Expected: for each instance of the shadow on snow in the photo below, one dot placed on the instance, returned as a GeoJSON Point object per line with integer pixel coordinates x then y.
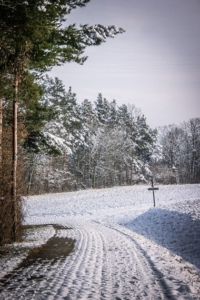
{"type": "Point", "coordinates": [176, 231]}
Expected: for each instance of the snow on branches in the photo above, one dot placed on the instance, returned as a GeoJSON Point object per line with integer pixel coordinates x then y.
{"type": "Point", "coordinates": [97, 34]}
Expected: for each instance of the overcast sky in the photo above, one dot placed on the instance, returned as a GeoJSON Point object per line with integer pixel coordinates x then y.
{"type": "Point", "coordinates": [154, 65]}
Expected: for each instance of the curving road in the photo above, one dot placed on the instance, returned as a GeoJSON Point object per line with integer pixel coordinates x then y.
{"type": "Point", "coordinates": [107, 260]}
{"type": "Point", "coordinates": [107, 263]}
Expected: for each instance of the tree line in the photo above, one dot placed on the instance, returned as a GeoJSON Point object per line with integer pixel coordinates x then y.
{"type": "Point", "coordinates": [180, 151]}
{"type": "Point", "coordinates": [100, 144]}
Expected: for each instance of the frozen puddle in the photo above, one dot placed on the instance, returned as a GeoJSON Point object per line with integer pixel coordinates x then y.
{"type": "Point", "coordinates": [108, 260]}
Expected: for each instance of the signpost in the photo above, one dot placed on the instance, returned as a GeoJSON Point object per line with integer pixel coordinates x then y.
{"type": "Point", "coordinates": [152, 188]}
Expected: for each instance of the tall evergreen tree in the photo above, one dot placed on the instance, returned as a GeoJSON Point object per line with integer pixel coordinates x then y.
{"type": "Point", "coordinates": [146, 139]}
{"type": "Point", "coordinates": [113, 119]}
{"type": "Point", "coordinates": [102, 107]}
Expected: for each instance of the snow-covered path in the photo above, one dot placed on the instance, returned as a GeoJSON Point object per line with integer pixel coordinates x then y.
{"type": "Point", "coordinates": [121, 246]}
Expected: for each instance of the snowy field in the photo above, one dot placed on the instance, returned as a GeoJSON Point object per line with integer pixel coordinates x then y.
{"type": "Point", "coordinates": [124, 247]}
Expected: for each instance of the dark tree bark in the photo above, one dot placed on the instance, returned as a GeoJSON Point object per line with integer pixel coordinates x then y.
{"type": "Point", "coordinates": [14, 159]}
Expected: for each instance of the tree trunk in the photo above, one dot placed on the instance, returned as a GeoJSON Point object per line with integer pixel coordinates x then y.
{"type": "Point", "coordinates": [94, 177]}
{"type": "Point", "coordinates": [14, 161]}
{"type": "Point", "coordinates": [1, 168]}
{"type": "Point", "coordinates": [1, 133]}
{"type": "Point", "coordinates": [30, 175]}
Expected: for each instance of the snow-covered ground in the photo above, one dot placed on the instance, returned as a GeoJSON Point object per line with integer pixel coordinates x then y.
{"type": "Point", "coordinates": [124, 247]}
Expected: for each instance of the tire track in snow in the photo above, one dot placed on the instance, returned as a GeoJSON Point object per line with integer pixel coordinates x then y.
{"type": "Point", "coordinates": [77, 277]}
{"type": "Point", "coordinates": [83, 281]}
{"type": "Point", "coordinates": [107, 263]}
{"type": "Point", "coordinates": [160, 275]}
{"type": "Point", "coordinates": [132, 277]}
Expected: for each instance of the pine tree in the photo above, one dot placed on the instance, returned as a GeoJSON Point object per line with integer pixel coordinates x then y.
{"type": "Point", "coordinates": [146, 139]}
{"type": "Point", "coordinates": [113, 119]}
{"type": "Point", "coordinates": [102, 107]}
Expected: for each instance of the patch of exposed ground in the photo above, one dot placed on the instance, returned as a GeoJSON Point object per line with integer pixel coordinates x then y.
{"type": "Point", "coordinates": [56, 248]}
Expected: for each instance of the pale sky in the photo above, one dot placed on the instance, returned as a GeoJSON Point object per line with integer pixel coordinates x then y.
{"type": "Point", "coordinates": [154, 65]}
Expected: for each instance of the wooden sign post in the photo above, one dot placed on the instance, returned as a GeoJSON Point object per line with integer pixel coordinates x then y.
{"type": "Point", "coordinates": [152, 188]}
